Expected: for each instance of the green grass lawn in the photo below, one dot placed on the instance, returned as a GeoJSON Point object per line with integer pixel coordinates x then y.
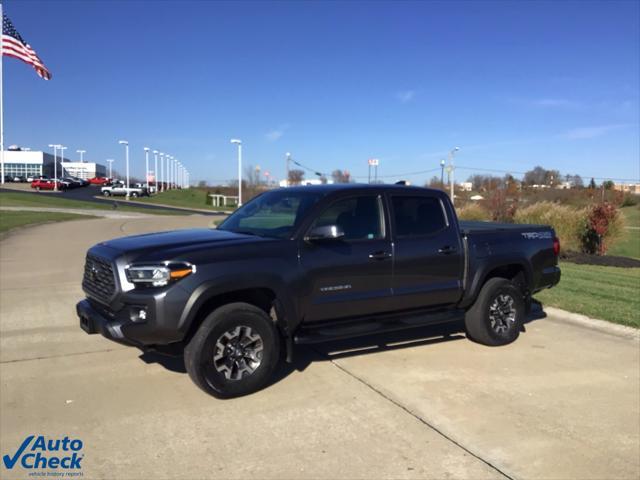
{"type": "Point", "coordinates": [608, 293]}
{"type": "Point", "coordinates": [10, 219]}
{"type": "Point", "coordinates": [57, 200]}
{"type": "Point", "coordinates": [629, 244]}
{"type": "Point", "coordinates": [188, 198]}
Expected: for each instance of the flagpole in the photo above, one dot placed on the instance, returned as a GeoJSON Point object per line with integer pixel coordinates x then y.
{"type": "Point", "coordinates": [1, 101]}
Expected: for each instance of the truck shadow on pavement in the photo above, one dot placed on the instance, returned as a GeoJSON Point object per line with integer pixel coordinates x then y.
{"type": "Point", "coordinates": [305, 355]}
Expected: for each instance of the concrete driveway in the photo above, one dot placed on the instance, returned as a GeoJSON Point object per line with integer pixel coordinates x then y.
{"type": "Point", "coordinates": [562, 402]}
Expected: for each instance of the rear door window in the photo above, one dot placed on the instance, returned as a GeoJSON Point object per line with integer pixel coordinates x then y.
{"type": "Point", "coordinates": [415, 216]}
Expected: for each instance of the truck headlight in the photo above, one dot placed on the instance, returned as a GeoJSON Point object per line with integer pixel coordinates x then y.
{"type": "Point", "coordinates": [158, 275]}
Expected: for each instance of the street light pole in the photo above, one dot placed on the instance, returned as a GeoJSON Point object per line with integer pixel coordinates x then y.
{"type": "Point", "coordinates": [161, 189]}
{"type": "Point", "coordinates": [146, 163]}
{"type": "Point", "coordinates": [110, 161]}
{"type": "Point", "coordinates": [55, 166]}
{"type": "Point", "coordinates": [81, 152]}
{"type": "Point", "coordinates": [450, 169]}
{"type": "Point", "coordinates": [155, 169]}
{"type": "Point", "coordinates": [126, 155]}
{"type": "Point", "coordinates": [62, 148]}
{"type": "Point", "coordinates": [442, 163]}
{"type": "Point", "coordinates": [239, 143]}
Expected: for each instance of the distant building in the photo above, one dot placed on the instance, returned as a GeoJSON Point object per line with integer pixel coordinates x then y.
{"type": "Point", "coordinates": [564, 186]}
{"type": "Point", "coordinates": [85, 170]}
{"type": "Point", "coordinates": [466, 186]}
{"type": "Point", "coordinates": [23, 163]}
{"type": "Point", "coordinates": [633, 188]}
{"type": "Point", "coordinates": [311, 181]}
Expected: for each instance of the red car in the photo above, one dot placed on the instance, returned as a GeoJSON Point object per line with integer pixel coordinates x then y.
{"type": "Point", "coordinates": [99, 181]}
{"type": "Point", "coordinates": [42, 184]}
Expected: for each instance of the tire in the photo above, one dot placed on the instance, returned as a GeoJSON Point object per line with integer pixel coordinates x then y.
{"type": "Point", "coordinates": [134, 194]}
{"type": "Point", "coordinates": [37, 189]}
{"type": "Point", "coordinates": [106, 193]}
{"type": "Point", "coordinates": [222, 378]}
{"type": "Point", "coordinates": [497, 315]}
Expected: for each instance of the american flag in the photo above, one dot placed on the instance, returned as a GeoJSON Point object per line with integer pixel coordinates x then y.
{"type": "Point", "coordinates": [13, 45]}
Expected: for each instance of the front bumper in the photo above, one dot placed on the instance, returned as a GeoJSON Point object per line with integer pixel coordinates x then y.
{"type": "Point", "coordinates": [92, 322]}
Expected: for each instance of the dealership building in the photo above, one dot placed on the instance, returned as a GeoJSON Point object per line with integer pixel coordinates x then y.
{"type": "Point", "coordinates": [23, 163]}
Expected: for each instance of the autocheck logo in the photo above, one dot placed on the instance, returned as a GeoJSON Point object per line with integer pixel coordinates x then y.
{"type": "Point", "coordinates": [40, 453]}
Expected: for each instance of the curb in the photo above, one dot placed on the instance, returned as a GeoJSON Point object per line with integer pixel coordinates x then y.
{"type": "Point", "coordinates": [164, 205]}
{"type": "Point", "coordinates": [594, 323]}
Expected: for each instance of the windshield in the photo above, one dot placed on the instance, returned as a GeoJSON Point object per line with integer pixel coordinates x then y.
{"type": "Point", "coordinates": [272, 214]}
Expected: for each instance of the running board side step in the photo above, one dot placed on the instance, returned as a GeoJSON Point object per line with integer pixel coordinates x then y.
{"type": "Point", "coordinates": [342, 329]}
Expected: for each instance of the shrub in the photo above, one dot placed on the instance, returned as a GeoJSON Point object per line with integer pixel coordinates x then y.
{"type": "Point", "coordinates": [603, 226]}
{"type": "Point", "coordinates": [500, 208]}
{"type": "Point", "coordinates": [629, 200]}
{"type": "Point", "coordinates": [568, 222]}
{"type": "Point", "coordinates": [473, 211]}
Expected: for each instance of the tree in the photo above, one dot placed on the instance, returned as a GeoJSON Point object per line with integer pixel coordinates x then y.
{"type": "Point", "coordinates": [341, 176]}
{"type": "Point", "coordinates": [202, 184]}
{"type": "Point", "coordinates": [592, 184]}
{"type": "Point", "coordinates": [608, 185]}
{"type": "Point", "coordinates": [434, 182]}
{"type": "Point", "coordinates": [252, 175]}
{"type": "Point", "coordinates": [537, 176]}
{"type": "Point", "coordinates": [295, 177]}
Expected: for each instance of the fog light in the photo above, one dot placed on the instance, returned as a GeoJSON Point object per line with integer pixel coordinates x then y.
{"type": "Point", "coordinates": [138, 314]}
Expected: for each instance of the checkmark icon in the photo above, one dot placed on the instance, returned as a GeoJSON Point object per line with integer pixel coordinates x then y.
{"type": "Point", "coordinates": [10, 462]}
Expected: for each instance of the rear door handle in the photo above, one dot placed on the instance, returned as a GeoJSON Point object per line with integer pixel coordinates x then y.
{"type": "Point", "coordinates": [379, 255]}
{"type": "Point", "coordinates": [447, 250]}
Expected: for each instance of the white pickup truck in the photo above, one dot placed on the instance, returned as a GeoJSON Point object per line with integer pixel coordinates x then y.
{"type": "Point", "coordinates": [119, 189]}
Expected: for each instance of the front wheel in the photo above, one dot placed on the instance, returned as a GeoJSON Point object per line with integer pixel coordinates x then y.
{"type": "Point", "coordinates": [497, 315]}
{"type": "Point", "coordinates": [234, 352]}
{"type": "Point", "coordinates": [106, 193]}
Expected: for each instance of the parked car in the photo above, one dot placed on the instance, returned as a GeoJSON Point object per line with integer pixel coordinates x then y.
{"type": "Point", "coordinates": [18, 179]}
{"type": "Point", "coordinates": [31, 178]}
{"type": "Point", "coordinates": [119, 189]}
{"type": "Point", "coordinates": [310, 264]}
{"type": "Point", "coordinates": [46, 184]}
{"type": "Point", "coordinates": [99, 181]}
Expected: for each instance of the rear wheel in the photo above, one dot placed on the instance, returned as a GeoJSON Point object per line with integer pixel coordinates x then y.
{"type": "Point", "coordinates": [234, 352]}
{"type": "Point", "coordinates": [497, 315]}
{"type": "Point", "coordinates": [134, 194]}
{"type": "Point", "coordinates": [106, 193]}
{"type": "Point", "coordinates": [37, 189]}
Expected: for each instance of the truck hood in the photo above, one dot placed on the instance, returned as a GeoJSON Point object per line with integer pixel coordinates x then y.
{"type": "Point", "coordinates": [177, 239]}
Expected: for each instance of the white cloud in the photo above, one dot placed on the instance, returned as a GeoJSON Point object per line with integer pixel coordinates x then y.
{"type": "Point", "coordinates": [277, 133]}
{"type": "Point", "coordinates": [405, 96]}
{"type": "Point", "coordinates": [592, 132]}
{"type": "Point", "coordinates": [553, 103]}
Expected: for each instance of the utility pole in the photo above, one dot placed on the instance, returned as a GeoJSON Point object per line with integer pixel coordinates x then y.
{"type": "Point", "coordinates": [110, 161]}
{"type": "Point", "coordinates": [288, 161]}
{"type": "Point", "coordinates": [442, 163]}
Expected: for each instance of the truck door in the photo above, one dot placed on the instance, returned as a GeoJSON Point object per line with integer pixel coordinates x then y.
{"type": "Point", "coordinates": [350, 276]}
{"type": "Point", "coordinates": [428, 257]}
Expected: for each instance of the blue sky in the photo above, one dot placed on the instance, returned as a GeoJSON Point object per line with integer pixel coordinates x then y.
{"type": "Point", "coordinates": [513, 84]}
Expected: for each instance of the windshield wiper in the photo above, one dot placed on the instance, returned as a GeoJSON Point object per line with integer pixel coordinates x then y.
{"type": "Point", "coordinates": [247, 232]}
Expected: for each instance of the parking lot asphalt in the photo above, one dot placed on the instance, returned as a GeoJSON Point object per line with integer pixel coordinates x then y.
{"type": "Point", "coordinates": [561, 402]}
{"type": "Point", "coordinates": [89, 194]}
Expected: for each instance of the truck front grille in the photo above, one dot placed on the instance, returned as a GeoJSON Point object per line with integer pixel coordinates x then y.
{"type": "Point", "coordinates": [98, 281]}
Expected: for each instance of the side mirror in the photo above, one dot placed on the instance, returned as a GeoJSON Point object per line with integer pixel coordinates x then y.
{"type": "Point", "coordinates": [324, 233]}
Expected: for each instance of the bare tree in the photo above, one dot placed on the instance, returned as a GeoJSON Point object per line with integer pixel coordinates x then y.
{"type": "Point", "coordinates": [340, 176]}
{"type": "Point", "coordinates": [295, 177]}
{"type": "Point", "coordinates": [251, 176]}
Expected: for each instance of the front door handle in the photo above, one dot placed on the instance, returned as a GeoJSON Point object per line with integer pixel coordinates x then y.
{"type": "Point", "coordinates": [379, 255]}
{"type": "Point", "coordinates": [447, 250]}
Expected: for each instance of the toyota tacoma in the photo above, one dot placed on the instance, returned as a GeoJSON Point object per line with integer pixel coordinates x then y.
{"type": "Point", "coordinates": [311, 264]}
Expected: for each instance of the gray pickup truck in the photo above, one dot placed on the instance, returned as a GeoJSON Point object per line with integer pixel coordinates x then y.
{"type": "Point", "coordinates": [310, 264]}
